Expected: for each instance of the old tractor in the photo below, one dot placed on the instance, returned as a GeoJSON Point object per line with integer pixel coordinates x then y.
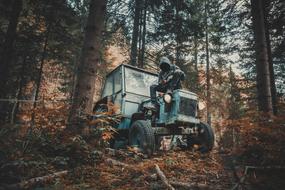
{"type": "Point", "coordinates": [143, 124]}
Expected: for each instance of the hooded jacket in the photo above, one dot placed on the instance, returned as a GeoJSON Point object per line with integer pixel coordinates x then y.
{"type": "Point", "coordinates": [168, 70]}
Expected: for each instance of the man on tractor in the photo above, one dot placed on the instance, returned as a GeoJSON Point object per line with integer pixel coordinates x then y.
{"type": "Point", "coordinates": [169, 78]}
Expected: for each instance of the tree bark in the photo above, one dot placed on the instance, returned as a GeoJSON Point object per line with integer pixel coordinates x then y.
{"type": "Point", "coordinates": [135, 35]}
{"type": "Point", "coordinates": [264, 97]}
{"type": "Point", "coordinates": [178, 33]}
{"type": "Point", "coordinates": [90, 57]}
{"type": "Point", "coordinates": [196, 62]}
{"type": "Point", "coordinates": [21, 79]}
{"type": "Point", "coordinates": [266, 5]}
{"type": "Point", "coordinates": [207, 66]}
{"type": "Point", "coordinates": [10, 38]}
{"type": "Point", "coordinates": [143, 35]}
{"type": "Point", "coordinates": [7, 53]}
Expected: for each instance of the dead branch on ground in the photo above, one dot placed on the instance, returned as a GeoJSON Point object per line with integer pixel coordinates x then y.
{"type": "Point", "coordinates": [163, 178]}
{"type": "Point", "coordinates": [111, 161]}
{"type": "Point", "coordinates": [27, 184]}
{"type": "Point", "coordinates": [189, 185]}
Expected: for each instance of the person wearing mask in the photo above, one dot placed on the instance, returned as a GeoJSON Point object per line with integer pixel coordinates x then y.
{"type": "Point", "coordinates": [169, 78]}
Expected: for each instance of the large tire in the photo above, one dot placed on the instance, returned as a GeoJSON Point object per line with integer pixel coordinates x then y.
{"type": "Point", "coordinates": [141, 135]}
{"type": "Point", "coordinates": [205, 139]}
{"type": "Point", "coordinates": [101, 108]}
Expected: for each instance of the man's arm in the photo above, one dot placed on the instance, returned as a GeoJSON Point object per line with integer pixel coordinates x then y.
{"type": "Point", "coordinates": [180, 73]}
{"type": "Point", "coordinates": [159, 77]}
{"type": "Point", "coordinates": [162, 80]}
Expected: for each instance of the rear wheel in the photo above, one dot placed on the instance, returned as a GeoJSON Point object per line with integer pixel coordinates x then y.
{"type": "Point", "coordinates": [205, 139]}
{"type": "Point", "coordinates": [141, 136]}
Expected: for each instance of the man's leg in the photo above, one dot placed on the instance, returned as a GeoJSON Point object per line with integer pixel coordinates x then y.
{"type": "Point", "coordinates": [153, 89]}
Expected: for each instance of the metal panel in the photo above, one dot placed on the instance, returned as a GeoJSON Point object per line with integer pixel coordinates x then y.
{"type": "Point", "coordinates": [189, 119]}
{"type": "Point", "coordinates": [124, 124]}
{"type": "Point", "coordinates": [130, 108]}
{"type": "Point", "coordinates": [187, 94]}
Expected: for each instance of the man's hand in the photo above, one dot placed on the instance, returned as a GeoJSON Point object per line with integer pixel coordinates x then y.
{"type": "Point", "coordinates": [163, 82]}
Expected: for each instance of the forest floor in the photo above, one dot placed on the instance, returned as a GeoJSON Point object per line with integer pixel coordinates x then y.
{"type": "Point", "coordinates": [124, 169]}
{"type": "Point", "coordinates": [182, 169]}
{"type": "Point", "coordinates": [41, 158]}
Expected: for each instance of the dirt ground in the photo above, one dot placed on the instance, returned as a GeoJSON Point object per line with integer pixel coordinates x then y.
{"type": "Point", "coordinates": [122, 170]}
{"type": "Point", "coordinates": [67, 161]}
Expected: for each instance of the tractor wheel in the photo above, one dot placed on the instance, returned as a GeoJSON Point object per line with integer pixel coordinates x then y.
{"type": "Point", "coordinates": [100, 108]}
{"type": "Point", "coordinates": [205, 140]}
{"type": "Point", "coordinates": [141, 136]}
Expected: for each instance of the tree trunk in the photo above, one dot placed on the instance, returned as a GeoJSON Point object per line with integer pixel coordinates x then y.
{"type": "Point", "coordinates": [7, 54]}
{"type": "Point", "coordinates": [196, 62]}
{"type": "Point", "coordinates": [270, 62]}
{"type": "Point", "coordinates": [178, 33]}
{"type": "Point", "coordinates": [272, 77]}
{"type": "Point", "coordinates": [207, 66]}
{"type": "Point", "coordinates": [21, 79]}
{"type": "Point", "coordinates": [262, 65]}
{"type": "Point", "coordinates": [143, 35]}
{"type": "Point", "coordinates": [90, 57]}
{"type": "Point", "coordinates": [139, 40]}
{"type": "Point", "coordinates": [135, 34]}
{"type": "Point", "coordinates": [9, 42]}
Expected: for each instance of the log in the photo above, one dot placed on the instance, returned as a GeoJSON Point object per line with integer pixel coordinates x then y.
{"type": "Point", "coordinates": [189, 185]}
{"type": "Point", "coordinates": [111, 161]}
{"type": "Point", "coordinates": [163, 178]}
{"type": "Point", "coordinates": [27, 184]}
{"type": "Point", "coordinates": [247, 168]}
{"type": "Point", "coordinates": [265, 167]}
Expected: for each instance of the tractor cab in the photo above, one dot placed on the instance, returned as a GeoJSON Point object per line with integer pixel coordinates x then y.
{"type": "Point", "coordinates": [127, 86]}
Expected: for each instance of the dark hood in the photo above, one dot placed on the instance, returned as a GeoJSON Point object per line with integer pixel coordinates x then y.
{"type": "Point", "coordinates": [165, 64]}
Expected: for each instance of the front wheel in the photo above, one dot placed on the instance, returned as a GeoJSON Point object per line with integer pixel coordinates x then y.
{"type": "Point", "coordinates": [205, 139]}
{"type": "Point", "coordinates": [141, 135]}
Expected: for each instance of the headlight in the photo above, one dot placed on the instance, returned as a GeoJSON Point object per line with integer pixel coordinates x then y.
{"type": "Point", "coordinates": [167, 98]}
{"type": "Point", "coordinates": [149, 112]}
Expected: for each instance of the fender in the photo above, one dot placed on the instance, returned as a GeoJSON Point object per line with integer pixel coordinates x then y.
{"type": "Point", "coordinates": [137, 116]}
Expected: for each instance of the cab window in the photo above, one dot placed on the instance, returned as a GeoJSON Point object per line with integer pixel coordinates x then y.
{"type": "Point", "coordinates": [117, 81]}
{"type": "Point", "coordinates": [108, 87]}
{"type": "Point", "coordinates": [113, 83]}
